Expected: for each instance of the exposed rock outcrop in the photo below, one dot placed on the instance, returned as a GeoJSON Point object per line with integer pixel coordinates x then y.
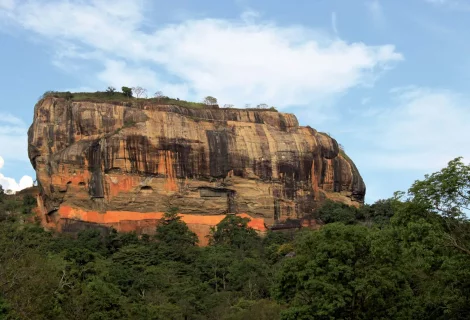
{"type": "Point", "coordinates": [111, 164]}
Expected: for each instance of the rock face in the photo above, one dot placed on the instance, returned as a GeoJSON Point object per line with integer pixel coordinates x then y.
{"type": "Point", "coordinates": [119, 165]}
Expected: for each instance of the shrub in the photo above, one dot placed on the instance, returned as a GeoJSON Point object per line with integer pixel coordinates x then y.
{"type": "Point", "coordinates": [127, 91]}
{"type": "Point", "coordinates": [332, 211]}
{"type": "Point", "coordinates": [68, 95]}
{"type": "Point", "coordinates": [111, 90]}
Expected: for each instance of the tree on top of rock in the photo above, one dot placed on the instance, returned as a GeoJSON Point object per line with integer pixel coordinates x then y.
{"type": "Point", "coordinates": [139, 92]}
{"type": "Point", "coordinates": [127, 91]}
{"type": "Point", "coordinates": [158, 95]}
{"type": "Point", "coordinates": [210, 101]}
{"type": "Point", "coordinates": [110, 90]}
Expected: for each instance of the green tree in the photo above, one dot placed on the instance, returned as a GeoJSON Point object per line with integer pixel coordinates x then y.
{"type": "Point", "coordinates": [28, 276]}
{"type": "Point", "coordinates": [378, 213]}
{"type": "Point", "coordinates": [92, 240]}
{"type": "Point", "coordinates": [276, 245]}
{"type": "Point", "coordinates": [29, 202]}
{"type": "Point", "coordinates": [340, 272]}
{"type": "Point", "coordinates": [102, 301]}
{"type": "Point", "coordinates": [447, 192]}
{"type": "Point", "coordinates": [249, 276]}
{"type": "Point", "coordinates": [68, 95]}
{"type": "Point", "coordinates": [213, 264]}
{"type": "Point", "coordinates": [233, 231]}
{"type": "Point", "coordinates": [127, 91]}
{"type": "Point", "coordinates": [114, 241]}
{"type": "Point", "coordinates": [175, 240]}
{"type": "Point", "coordinates": [332, 211]}
{"type": "Point", "coordinates": [130, 271]}
{"type": "Point", "coordinates": [254, 310]}
{"type": "Point", "coordinates": [434, 267]}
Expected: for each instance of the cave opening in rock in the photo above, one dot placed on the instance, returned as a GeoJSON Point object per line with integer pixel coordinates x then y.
{"type": "Point", "coordinates": [146, 189]}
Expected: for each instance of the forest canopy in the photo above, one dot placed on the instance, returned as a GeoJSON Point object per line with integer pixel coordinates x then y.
{"type": "Point", "coordinates": [407, 257]}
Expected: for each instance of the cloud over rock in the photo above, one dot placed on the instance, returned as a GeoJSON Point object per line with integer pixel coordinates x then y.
{"type": "Point", "coordinates": [11, 184]}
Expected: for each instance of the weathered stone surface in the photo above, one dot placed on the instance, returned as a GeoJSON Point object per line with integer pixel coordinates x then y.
{"type": "Point", "coordinates": [102, 158]}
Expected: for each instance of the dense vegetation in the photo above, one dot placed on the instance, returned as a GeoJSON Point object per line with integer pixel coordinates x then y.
{"type": "Point", "coordinates": [400, 258]}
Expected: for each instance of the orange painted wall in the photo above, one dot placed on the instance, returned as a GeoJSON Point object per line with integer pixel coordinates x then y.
{"type": "Point", "coordinates": [126, 221]}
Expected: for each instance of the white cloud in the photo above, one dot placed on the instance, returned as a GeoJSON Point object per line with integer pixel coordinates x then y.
{"type": "Point", "coordinates": [238, 61]}
{"type": "Point", "coordinates": [13, 147]}
{"type": "Point", "coordinates": [423, 131]}
{"type": "Point", "coordinates": [265, 63]}
{"type": "Point", "coordinates": [11, 184]}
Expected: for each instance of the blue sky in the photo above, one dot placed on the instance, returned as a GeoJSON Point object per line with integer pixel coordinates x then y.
{"type": "Point", "coordinates": [388, 79]}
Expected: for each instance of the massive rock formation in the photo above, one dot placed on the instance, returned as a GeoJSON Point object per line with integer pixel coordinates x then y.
{"type": "Point", "coordinates": [123, 165]}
